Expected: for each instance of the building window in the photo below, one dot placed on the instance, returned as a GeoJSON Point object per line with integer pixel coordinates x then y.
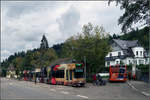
{"type": "Point", "coordinates": [137, 53]}
{"type": "Point", "coordinates": [108, 63]}
{"type": "Point", "coordinates": [141, 53]}
{"type": "Point", "coordinates": [117, 62]}
{"type": "Point", "coordinates": [141, 61]}
{"type": "Point", "coordinates": [135, 61]}
{"type": "Point", "coordinates": [110, 54]}
{"type": "Point", "coordinates": [119, 53]}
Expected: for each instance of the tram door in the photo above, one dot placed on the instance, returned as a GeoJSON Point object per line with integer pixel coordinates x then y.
{"type": "Point", "coordinates": [68, 76]}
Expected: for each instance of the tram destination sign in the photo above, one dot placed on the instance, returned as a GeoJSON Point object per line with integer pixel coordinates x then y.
{"type": "Point", "coordinates": [78, 70]}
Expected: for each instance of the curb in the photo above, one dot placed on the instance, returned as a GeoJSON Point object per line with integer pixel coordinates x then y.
{"type": "Point", "coordinates": [134, 88]}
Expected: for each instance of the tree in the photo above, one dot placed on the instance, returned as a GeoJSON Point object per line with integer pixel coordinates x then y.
{"type": "Point", "coordinates": [58, 49]}
{"type": "Point", "coordinates": [18, 63]}
{"type": "Point", "coordinates": [92, 43]}
{"type": "Point", "coordinates": [44, 43]}
{"type": "Point", "coordinates": [135, 11]}
{"type": "Point", "coordinates": [49, 56]}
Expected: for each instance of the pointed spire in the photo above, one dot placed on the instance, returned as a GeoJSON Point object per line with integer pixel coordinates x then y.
{"type": "Point", "coordinates": [44, 42]}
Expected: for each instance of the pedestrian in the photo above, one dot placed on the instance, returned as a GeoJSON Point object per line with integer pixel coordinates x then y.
{"type": "Point", "coordinates": [99, 79]}
{"type": "Point", "coordinates": [94, 79]}
{"type": "Point", "coordinates": [129, 75]}
{"type": "Point", "coordinates": [134, 76]}
{"type": "Point", "coordinates": [35, 79]}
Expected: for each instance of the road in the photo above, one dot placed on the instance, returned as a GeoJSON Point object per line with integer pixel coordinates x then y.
{"type": "Point", "coordinates": [14, 89]}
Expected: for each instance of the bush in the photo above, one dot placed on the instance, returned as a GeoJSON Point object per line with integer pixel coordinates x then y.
{"type": "Point", "coordinates": [143, 68]}
{"type": "Point", "coordinates": [129, 67]}
{"type": "Point", "coordinates": [89, 80]}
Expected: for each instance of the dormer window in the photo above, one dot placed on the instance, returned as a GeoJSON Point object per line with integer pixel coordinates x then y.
{"type": "Point", "coordinates": [141, 53]}
{"type": "Point", "coordinates": [137, 53]}
{"type": "Point", "coordinates": [110, 54]}
{"type": "Point", "coordinates": [117, 62]}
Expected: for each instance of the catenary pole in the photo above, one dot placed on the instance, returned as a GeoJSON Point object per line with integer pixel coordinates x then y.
{"type": "Point", "coordinates": [85, 67]}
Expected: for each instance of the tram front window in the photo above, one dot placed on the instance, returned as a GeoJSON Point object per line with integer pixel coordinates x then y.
{"type": "Point", "coordinates": [122, 70]}
{"type": "Point", "coordinates": [78, 73]}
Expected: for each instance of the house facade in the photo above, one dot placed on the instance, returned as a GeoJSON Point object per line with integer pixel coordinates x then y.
{"type": "Point", "coordinates": [147, 57]}
{"type": "Point", "coordinates": [125, 52]}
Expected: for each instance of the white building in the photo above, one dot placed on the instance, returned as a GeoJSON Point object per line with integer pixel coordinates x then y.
{"type": "Point", "coordinates": [125, 52]}
{"type": "Point", "coordinates": [147, 57]}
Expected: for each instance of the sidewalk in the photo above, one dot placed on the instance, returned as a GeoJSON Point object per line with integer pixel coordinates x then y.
{"type": "Point", "coordinates": [140, 86]}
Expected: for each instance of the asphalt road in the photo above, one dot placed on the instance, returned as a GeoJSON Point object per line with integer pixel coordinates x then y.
{"type": "Point", "coordinates": [14, 89]}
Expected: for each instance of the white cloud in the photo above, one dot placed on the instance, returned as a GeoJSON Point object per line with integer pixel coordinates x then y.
{"type": "Point", "coordinates": [69, 21]}
{"type": "Point", "coordinates": [24, 23]}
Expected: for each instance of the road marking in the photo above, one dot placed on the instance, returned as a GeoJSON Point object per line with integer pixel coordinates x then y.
{"type": "Point", "coordinates": [134, 88]}
{"type": "Point", "coordinates": [10, 83]}
{"type": "Point", "coordinates": [52, 89]}
{"type": "Point", "coordinates": [64, 92]}
{"type": "Point", "coordinates": [147, 94]}
{"type": "Point", "coordinates": [144, 93]}
{"type": "Point", "coordinates": [82, 96]}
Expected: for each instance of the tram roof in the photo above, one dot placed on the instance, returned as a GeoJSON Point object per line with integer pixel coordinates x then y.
{"type": "Point", "coordinates": [61, 61]}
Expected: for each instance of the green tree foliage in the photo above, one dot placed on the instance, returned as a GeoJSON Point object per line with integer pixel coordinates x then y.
{"type": "Point", "coordinates": [135, 11]}
{"type": "Point", "coordinates": [18, 64]}
{"type": "Point", "coordinates": [91, 43]}
{"type": "Point", "coordinates": [46, 57]}
{"type": "Point", "coordinates": [31, 59]}
{"type": "Point", "coordinates": [143, 68]}
{"type": "Point", "coordinates": [58, 49]}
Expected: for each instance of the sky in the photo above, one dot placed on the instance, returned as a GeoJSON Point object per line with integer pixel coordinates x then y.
{"type": "Point", "coordinates": [24, 22]}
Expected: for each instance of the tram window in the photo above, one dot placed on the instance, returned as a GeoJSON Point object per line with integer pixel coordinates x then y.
{"type": "Point", "coordinates": [66, 74]}
{"type": "Point", "coordinates": [56, 74]}
{"type": "Point", "coordinates": [122, 70]}
{"type": "Point", "coordinates": [70, 74]}
{"type": "Point", "coordinates": [60, 74]}
{"type": "Point", "coordinates": [79, 73]}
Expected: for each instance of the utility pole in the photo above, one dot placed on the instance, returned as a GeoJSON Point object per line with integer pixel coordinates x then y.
{"type": "Point", "coordinates": [134, 68]}
{"type": "Point", "coordinates": [85, 67]}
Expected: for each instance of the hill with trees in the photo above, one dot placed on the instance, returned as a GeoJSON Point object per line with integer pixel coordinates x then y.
{"type": "Point", "coordinates": [38, 57]}
{"type": "Point", "coordinates": [92, 43]}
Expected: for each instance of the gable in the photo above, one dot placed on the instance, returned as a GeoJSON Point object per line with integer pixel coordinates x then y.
{"type": "Point", "coordinates": [115, 47]}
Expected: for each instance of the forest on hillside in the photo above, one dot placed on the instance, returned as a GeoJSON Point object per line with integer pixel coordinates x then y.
{"type": "Point", "coordinates": [92, 43]}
